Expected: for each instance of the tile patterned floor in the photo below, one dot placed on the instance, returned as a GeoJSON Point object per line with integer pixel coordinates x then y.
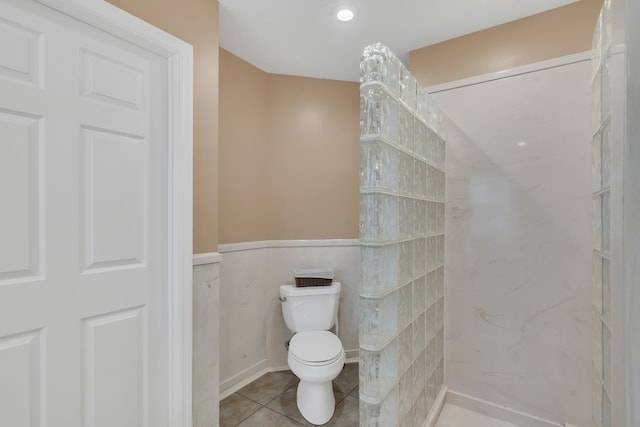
{"type": "Point", "coordinates": [270, 401]}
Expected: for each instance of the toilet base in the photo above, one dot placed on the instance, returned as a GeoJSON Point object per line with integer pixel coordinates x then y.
{"type": "Point", "coordinates": [315, 401]}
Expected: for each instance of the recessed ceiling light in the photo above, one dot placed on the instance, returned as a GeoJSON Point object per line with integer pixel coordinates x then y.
{"type": "Point", "coordinates": [344, 14]}
{"type": "Point", "coordinates": [522, 144]}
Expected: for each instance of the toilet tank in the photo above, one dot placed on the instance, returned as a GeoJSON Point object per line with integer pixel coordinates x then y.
{"type": "Point", "coordinates": [312, 308]}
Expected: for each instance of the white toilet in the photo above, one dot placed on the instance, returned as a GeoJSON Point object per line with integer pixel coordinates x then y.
{"type": "Point", "coordinates": [316, 355]}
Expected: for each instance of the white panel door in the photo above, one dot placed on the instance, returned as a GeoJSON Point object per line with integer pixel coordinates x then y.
{"type": "Point", "coordinates": [83, 225]}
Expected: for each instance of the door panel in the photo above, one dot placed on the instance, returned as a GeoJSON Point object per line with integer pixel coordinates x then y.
{"type": "Point", "coordinates": [83, 225]}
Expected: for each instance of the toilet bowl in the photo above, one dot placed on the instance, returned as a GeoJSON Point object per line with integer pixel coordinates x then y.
{"type": "Point", "coordinates": [316, 355]}
{"type": "Point", "coordinates": [316, 358]}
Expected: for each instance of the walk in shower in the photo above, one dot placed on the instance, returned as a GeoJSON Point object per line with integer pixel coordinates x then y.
{"type": "Point", "coordinates": [538, 319]}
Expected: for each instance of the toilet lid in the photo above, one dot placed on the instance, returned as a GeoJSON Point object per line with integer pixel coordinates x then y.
{"type": "Point", "coordinates": [315, 346]}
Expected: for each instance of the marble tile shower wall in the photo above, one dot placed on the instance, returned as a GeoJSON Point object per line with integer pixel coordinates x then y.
{"type": "Point", "coordinates": [601, 221]}
{"type": "Point", "coordinates": [402, 178]}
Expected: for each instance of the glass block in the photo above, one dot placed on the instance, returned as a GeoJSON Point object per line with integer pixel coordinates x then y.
{"type": "Point", "coordinates": [596, 389]}
{"type": "Point", "coordinates": [431, 395]}
{"type": "Point", "coordinates": [405, 129]}
{"type": "Point", "coordinates": [440, 216]}
{"type": "Point", "coordinates": [378, 113]}
{"type": "Point", "coordinates": [419, 178]}
{"type": "Point", "coordinates": [439, 183]}
{"type": "Point", "coordinates": [422, 104]}
{"type": "Point", "coordinates": [378, 269]}
{"type": "Point", "coordinates": [432, 146]}
{"type": "Point", "coordinates": [384, 414]}
{"type": "Point", "coordinates": [606, 409]}
{"type": "Point", "coordinates": [420, 408]}
{"type": "Point", "coordinates": [607, 28]}
{"type": "Point", "coordinates": [419, 218]}
{"type": "Point", "coordinates": [378, 320]}
{"type": "Point", "coordinates": [419, 258]}
{"type": "Point", "coordinates": [432, 183]}
{"type": "Point", "coordinates": [606, 88]}
{"type": "Point", "coordinates": [440, 250]}
{"type": "Point", "coordinates": [405, 173]}
{"type": "Point", "coordinates": [440, 313]}
{"type": "Point", "coordinates": [405, 262]}
{"type": "Point", "coordinates": [432, 287]}
{"type": "Point", "coordinates": [597, 344]}
{"type": "Point", "coordinates": [606, 290]}
{"type": "Point", "coordinates": [379, 64]}
{"type": "Point", "coordinates": [440, 152]}
{"type": "Point", "coordinates": [378, 217]}
{"type": "Point", "coordinates": [431, 359]}
{"type": "Point", "coordinates": [440, 282]}
{"type": "Point", "coordinates": [596, 94]}
{"type": "Point", "coordinates": [606, 357]}
{"type": "Point", "coordinates": [436, 118]}
{"type": "Point", "coordinates": [606, 155]}
{"type": "Point", "coordinates": [596, 46]}
{"type": "Point", "coordinates": [421, 135]}
{"type": "Point", "coordinates": [405, 218]}
{"type": "Point", "coordinates": [405, 305]}
{"type": "Point", "coordinates": [432, 218]}
{"type": "Point", "coordinates": [597, 281]}
{"type": "Point", "coordinates": [439, 339]}
{"type": "Point", "coordinates": [405, 391]}
{"type": "Point", "coordinates": [606, 223]}
{"type": "Point", "coordinates": [419, 335]}
{"type": "Point", "coordinates": [596, 223]}
{"type": "Point", "coordinates": [596, 162]}
{"type": "Point", "coordinates": [440, 374]}
{"type": "Point", "coordinates": [378, 374]}
{"type": "Point", "coordinates": [431, 328]}
{"type": "Point", "coordinates": [378, 165]}
{"type": "Point", "coordinates": [432, 252]}
{"type": "Point", "coordinates": [405, 349]}
{"type": "Point", "coordinates": [408, 88]}
{"type": "Point", "coordinates": [419, 295]}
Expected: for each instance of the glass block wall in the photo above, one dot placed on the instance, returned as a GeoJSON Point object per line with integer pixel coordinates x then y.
{"type": "Point", "coordinates": [601, 220]}
{"type": "Point", "coordinates": [402, 178]}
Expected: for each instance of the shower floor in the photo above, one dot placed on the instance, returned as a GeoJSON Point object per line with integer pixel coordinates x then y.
{"type": "Point", "coordinates": [455, 416]}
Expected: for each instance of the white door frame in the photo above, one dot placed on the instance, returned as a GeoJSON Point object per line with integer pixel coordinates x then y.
{"type": "Point", "coordinates": [109, 18]}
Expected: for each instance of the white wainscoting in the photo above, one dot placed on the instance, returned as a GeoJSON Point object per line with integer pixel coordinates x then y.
{"type": "Point", "coordinates": [252, 330]}
{"type": "Point", "coordinates": [206, 339]}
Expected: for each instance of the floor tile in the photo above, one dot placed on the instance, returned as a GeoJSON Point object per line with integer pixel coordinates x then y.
{"type": "Point", "coordinates": [286, 404]}
{"type": "Point", "coordinates": [355, 393]}
{"type": "Point", "coordinates": [455, 416]}
{"type": "Point", "coordinates": [348, 378]}
{"type": "Point", "coordinates": [268, 386]}
{"type": "Point", "coordinates": [265, 417]}
{"type": "Point", "coordinates": [347, 413]}
{"type": "Point", "coordinates": [236, 408]}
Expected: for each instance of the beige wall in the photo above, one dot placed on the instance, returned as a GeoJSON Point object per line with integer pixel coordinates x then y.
{"type": "Point", "coordinates": [243, 149]}
{"type": "Point", "coordinates": [289, 155]}
{"type": "Point", "coordinates": [551, 34]}
{"type": "Point", "coordinates": [196, 22]}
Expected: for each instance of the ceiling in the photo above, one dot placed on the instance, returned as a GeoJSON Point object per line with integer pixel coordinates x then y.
{"type": "Point", "coordinates": [303, 37]}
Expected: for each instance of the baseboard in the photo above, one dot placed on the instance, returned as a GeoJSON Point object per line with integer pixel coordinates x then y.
{"type": "Point", "coordinates": [246, 377]}
{"type": "Point", "coordinates": [353, 356]}
{"type": "Point", "coordinates": [434, 414]}
{"type": "Point", "coordinates": [495, 411]}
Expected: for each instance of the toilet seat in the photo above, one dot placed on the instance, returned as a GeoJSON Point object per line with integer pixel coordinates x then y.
{"type": "Point", "coordinates": [315, 348]}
